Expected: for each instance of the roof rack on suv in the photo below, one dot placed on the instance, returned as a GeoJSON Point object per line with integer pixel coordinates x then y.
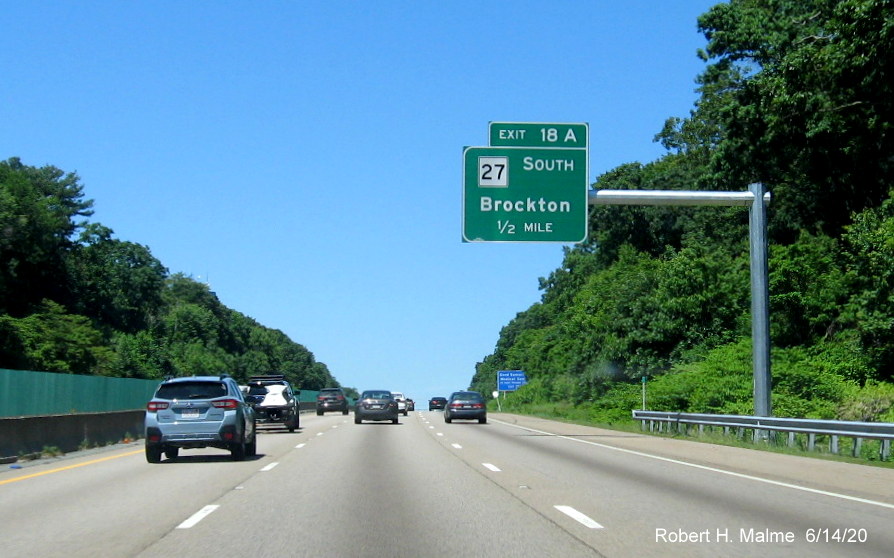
{"type": "Point", "coordinates": [267, 377]}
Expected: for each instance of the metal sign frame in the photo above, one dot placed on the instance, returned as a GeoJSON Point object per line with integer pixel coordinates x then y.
{"type": "Point", "coordinates": [757, 199]}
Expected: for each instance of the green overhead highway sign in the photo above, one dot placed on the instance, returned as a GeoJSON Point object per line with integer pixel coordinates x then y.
{"type": "Point", "coordinates": [524, 194]}
{"type": "Point", "coordinates": [538, 134]}
{"type": "Point", "coordinates": [530, 185]}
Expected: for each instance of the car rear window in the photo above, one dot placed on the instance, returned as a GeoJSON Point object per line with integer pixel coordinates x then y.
{"type": "Point", "coordinates": [257, 389]}
{"type": "Point", "coordinates": [377, 395]}
{"type": "Point", "coordinates": [191, 390]}
{"type": "Point", "coordinates": [468, 396]}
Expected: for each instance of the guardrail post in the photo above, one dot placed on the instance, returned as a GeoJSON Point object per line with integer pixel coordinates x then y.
{"type": "Point", "coordinates": [811, 441]}
{"type": "Point", "coordinates": [834, 445]}
{"type": "Point", "coordinates": [858, 443]}
{"type": "Point", "coordinates": [886, 450]}
{"type": "Point", "coordinates": [791, 439]}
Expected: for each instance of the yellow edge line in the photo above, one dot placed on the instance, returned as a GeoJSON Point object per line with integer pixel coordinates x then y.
{"type": "Point", "coordinates": [100, 460]}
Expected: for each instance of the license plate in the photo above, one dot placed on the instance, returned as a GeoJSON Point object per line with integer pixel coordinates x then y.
{"type": "Point", "coordinates": [190, 413]}
{"type": "Point", "coordinates": [375, 406]}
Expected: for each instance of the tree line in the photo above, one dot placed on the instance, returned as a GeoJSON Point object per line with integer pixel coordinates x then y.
{"type": "Point", "coordinates": [796, 94]}
{"type": "Point", "coordinates": [75, 299]}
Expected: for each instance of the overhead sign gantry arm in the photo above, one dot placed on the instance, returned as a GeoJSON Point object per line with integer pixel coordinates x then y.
{"type": "Point", "coordinates": [757, 199]}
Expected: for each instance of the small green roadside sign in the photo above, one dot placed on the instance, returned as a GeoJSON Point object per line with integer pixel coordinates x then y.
{"type": "Point", "coordinates": [530, 185]}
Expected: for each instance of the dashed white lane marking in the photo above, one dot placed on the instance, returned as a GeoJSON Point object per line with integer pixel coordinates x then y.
{"type": "Point", "coordinates": [579, 517]}
{"type": "Point", "coordinates": [457, 446]}
{"type": "Point", "coordinates": [492, 467]}
{"type": "Point", "coordinates": [319, 433]}
{"type": "Point", "coordinates": [440, 434]}
{"type": "Point", "coordinates": [271, 466]}
{"type": "Point", "coordinates": [196, 517]}
{"type": "Point", "coordinates": [299, 446]}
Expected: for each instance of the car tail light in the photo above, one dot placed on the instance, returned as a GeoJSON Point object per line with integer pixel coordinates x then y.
{"type": "Point", "coordinates": [320, 398]}
{"type": "Point", "coordinates": [156, 406]}
{"type": "Point", "coordinates": [225, 404]}
{"type": "Point", "coordinates": [341, 397]}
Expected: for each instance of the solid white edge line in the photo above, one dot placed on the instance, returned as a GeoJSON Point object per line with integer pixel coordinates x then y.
{"type": "Point", "coordinates": [712, 469]}
{"type": "Point", "coordinates": [270, 466]}
{"type": "Point", "coordinates": [492, 467]}
{"type": "Point", "coordinates": [579, 517]}
{"type": "Point", "coordinates": [198, 516]}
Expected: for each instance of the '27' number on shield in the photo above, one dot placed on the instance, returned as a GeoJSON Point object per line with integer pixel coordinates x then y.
{"type": "Point", "coordinates": [487, 170]}
{"type": "Point", "coordinates": [493, 172]}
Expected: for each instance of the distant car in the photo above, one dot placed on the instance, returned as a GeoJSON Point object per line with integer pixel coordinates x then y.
{"type": "Point", "coordinates": [274, 401]}
{"type": "Point", "coordinates": [466, 405]}
{"type": "Point", "coordinates": [332, 399]}
{"type": "Point", "coordinates": [199, 412]}
{"type": "Point", "coordinates": [376, 404]}
{"type": "Point", "coordinates": [411, 405]}
{"type": "Point", "coordinates": [437, 403]}
{"type": "Point", "coordinates": [401, 401]}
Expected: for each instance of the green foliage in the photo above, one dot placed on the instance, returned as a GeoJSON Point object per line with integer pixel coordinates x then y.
{"type": "Point", "coordinates": [54, 341]}
{"type": "Point", "coordinates": [719, 383]}
{"type": "Point", "coordinates": [119, 284]}
{"type": "Point", "coordinates": [873, 402]}
{"type": "Point", "coordinates": [800, 92]}
{"type": "Point", "coordinates": [807, 290]}
{"type": "Point", "coordinates": [869, 258]}
{"type": "Point", "coordinates": [140, 355]}
{"type": "Point", "coordinates": [803, 389]}
{"type": "Point", "coordinates": [37, 212]}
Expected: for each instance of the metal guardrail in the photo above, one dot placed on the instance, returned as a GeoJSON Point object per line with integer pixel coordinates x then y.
{"type": "Point", "coordinates": [835, 429]}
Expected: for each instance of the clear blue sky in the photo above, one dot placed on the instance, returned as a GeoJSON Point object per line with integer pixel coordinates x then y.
{"type": "Point", "coordinates": [304, 158]}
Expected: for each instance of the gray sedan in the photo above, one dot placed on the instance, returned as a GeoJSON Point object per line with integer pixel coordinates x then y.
{"type": "Point", "coordinates": [466, 405]}
{"type": "Point", "coordinates": [376, 404]}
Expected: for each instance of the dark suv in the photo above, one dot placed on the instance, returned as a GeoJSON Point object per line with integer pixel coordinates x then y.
{"type": "Point", "coordinates": [274, 401]}
{"type": "Point", "coordinates": [332, 399]}
{"type": "Point", "coordinates": [199, 412]}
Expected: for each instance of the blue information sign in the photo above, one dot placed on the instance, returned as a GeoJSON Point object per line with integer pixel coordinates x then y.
{"type": "Point", "coordinates": [510, 380]}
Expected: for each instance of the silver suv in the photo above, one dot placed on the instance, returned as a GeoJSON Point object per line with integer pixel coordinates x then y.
{"type": "Point", "coordinates": [199, 412]}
